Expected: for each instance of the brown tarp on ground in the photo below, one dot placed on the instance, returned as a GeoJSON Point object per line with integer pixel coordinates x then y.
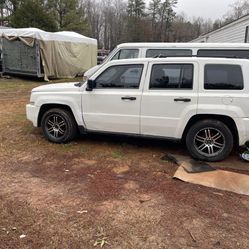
{"type": "Point", "coordinates": [218, 179]}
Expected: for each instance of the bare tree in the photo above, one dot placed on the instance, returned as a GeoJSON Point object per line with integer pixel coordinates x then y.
{"type": "Point", "coordinates": [93, 11]}
{"type": "Point", "coordinates": [153, 12]}
{"type": "Point", "coordinates": [107, 20]}
{"type": "Point", "coordinates": [238, 9]}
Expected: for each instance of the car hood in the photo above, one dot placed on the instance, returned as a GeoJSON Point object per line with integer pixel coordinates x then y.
{"type": "Point", "coordinates": [60, 87]}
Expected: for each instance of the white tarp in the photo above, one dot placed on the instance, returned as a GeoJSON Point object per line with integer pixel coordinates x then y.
{"type": "Point", "coordinates": [64, 54]}
{"type": "Point", "coordinates": [64, 36]}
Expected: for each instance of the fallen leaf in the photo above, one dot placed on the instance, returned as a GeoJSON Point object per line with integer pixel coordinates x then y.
{"type": "Point", "coordinates": [145, 200]}
{"type": "Point", "coordinates": [82, 212]}
{"type": "Point", "coordinates": [217, 193]}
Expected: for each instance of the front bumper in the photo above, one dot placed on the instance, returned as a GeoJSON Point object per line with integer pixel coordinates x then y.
{"type": "Point", "coordinates": [32, 113]}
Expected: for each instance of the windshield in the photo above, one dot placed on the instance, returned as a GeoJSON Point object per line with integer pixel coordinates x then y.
{"type": "Point", "coordinates": [110, 55]}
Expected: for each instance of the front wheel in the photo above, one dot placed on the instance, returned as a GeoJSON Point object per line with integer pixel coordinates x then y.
{"type": "Point", "coordinates": [58, 125]}
{"type": "Point", "coordinates": [209, 140]}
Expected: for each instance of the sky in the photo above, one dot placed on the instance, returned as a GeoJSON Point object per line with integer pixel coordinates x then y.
{"type": "Point", "coordinates": [213, 9]}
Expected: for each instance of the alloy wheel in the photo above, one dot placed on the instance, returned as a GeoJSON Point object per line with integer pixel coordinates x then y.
{"type": "Point", "coordinates": [209, 142]}
{"type": "Point", "coordinates": [56, 126]}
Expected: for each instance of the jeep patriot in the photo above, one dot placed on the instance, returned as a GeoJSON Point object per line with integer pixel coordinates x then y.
{"type": "Point", "coordinates": [203, 102]}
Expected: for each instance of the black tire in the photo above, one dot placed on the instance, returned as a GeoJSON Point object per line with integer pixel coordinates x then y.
{"type": "Point", "coordinates": [58, 125]}
{"type": "Point", "coordinates": [209, 140]}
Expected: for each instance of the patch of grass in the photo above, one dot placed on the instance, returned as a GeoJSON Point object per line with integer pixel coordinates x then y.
{"type": "Point", "coordinates": [117, 154]}
{"type": "Point", "coordinates": [82, 148]}
{"type": "Point", "coordinates": [28, 129]}
{"type": "Point", "coordinates": [101, 240]}
{"type": "Point", "coordinates": [72, 147]}
{"type": "Point", "coordinates": [69, 146]}
{"type": "Point", "coordinates": [14, 84]}
{"type": "Point", "coordinates": [20, 117]}
{"type": "Point", "coordinates": [17, 85]}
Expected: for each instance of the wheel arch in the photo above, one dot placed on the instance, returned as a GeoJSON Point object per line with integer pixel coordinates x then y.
{"type": "Point", "coordinates": [223, 118]}
{"type": "Point", "coordinates": [47, 107]}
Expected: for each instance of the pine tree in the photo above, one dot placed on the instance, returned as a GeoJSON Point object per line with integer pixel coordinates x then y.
{"type": "Point", "coordinates": [136, 8]}
{"type": "Point", "coordinates": [154, 7]}
{"type": "Point", "coordinates": [31, 13]}
{"type": "Point", "coordinates": [69, 15]}
{"type": "Point", "coordinates": [135, 11]}
{"type": "Point", "coordinates": [162, 15]}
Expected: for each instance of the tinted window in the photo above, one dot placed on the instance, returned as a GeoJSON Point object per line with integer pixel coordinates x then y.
{"type": "Point", "coordinates": [247, 34]}
{"type": "Point", "coordinates": [126, 54]}
{"type": "Point", "coordinates": [172, 76]}
{"type": "Point", "coordinates": [223, 53]}
{"type": "Point", "coordinates": [223, 77]}
{"type": "Point", "coordinates": [122, 76]}
{"type": "Point", "coordinates": [151, 53]}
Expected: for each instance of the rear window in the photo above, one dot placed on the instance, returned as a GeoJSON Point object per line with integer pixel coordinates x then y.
{"type": "Point", "coordinates": [171, 76]}
{"type": "Point", "coordinates": [223, 77]}
{"type": "Point", "coordinates": [223, 53]}
{"type": "Point", "coordinates": [151, 53]}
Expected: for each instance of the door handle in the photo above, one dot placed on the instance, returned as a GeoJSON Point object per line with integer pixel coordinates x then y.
{"type": "Point", "coordinates": [182, 100]}
{"type": "Point", "coordinates": [128, 98]}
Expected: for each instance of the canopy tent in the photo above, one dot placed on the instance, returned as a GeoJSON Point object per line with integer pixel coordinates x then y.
{"type": "Point", "coordinates": [63, 54]}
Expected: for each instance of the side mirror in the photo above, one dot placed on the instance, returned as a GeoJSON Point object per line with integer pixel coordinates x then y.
{"type": "Point", "coordinates": [90, 85]}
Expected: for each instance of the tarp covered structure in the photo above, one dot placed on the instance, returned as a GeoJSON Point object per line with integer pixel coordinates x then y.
{"type": "Point", "coordinates": [63, 54]}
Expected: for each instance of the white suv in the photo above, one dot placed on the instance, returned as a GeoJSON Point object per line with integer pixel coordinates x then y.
{"type": "Point", "coordinates": [178, 49]}
{"type": "Point", "coordinates": [203, 102]}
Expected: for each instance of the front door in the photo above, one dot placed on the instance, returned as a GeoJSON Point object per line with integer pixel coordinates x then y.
{"type": "Point", "coordinates": [114, 104]}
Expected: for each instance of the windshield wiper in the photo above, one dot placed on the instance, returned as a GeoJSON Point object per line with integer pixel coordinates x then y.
{"type": "Point", "coordinates": [79, 84]}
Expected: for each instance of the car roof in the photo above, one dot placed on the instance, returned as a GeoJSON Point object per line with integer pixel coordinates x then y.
{"type": "Point", "coordinates": [180, 45]}
{"type": "Point", "coordinates": [181, 59]}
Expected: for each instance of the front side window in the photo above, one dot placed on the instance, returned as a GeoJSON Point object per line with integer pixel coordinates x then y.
{"type": "Point", "coordinates": [152, 53]}
{"type": "Point", "coordinates": [172, 76]}
{"type": "Point", "coordinates": [126, 54]}
{"type": "Point", "coordinates": [121, 76]}
{"type": "Point", "coordinates": [223, 77]}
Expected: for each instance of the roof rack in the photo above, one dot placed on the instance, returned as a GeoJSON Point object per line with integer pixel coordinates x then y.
{"type": "Point", "coordinates": [200, 56]}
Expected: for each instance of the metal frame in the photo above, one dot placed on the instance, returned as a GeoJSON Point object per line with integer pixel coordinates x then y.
{"type": "Point", "coordinates": [7, 68]}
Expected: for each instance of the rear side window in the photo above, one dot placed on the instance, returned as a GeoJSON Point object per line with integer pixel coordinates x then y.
{"type": "Point", "coordinates": [227, 53]}
{"type": "Point", "coordinates": [172, 76]}
{"type": "Point", "coordinates": [223, 77]}
{"type": "Point", "coordinates": [126, 54]}
{"type": "Point", "coordinates": [121, 76]}
{"type": "Point", "coordinates": [151, 53]}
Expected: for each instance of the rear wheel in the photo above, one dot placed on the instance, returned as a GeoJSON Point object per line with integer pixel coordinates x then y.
{"type": "Point", "coordinates": [209, 140]}
{"type": "Point", "coordinates": [58, 125]}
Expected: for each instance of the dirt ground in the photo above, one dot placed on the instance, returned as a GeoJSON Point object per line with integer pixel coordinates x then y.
{"type": "Point", "coordinates": [108, 191]}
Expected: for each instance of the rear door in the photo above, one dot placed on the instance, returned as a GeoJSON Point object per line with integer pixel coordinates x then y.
{"type": "Point", "coordinates": [169, 98]}
{"type": "Point", "coordinates": [222, 90]}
